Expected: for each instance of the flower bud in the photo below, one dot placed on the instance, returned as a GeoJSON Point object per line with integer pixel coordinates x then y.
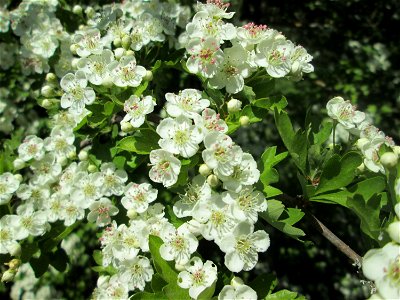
{"type": "Point", "coordinates": [117, 42]}
{"type": "Point", "coordinates": [244, 120]}
{"type": "Point", "coordinates": [213, 180]}
{"type": "Point", "coordinates": [148, 76]}
{"type": "Point", "coordinates": [126, 42]}
{"type": "Point", "coordinates": [63, 161]}
{"type": "Point", "coordinates": [47, 91]}
{"type": "Point", "coordinates": [74, 63]}
{"type": "Point", "coordinates": [130, 53]}
{"type": "Point", "coordinates": [234, 105]}
{"type": "Point", "coordinates": [72, 154]}
{"type": "Point", "coordinates": [396, 150]}
{"type": "Point", "coordinates": [389, 160]}
{"type": "Point", "coordinates": [397, 210]}
{"type": "Point", "coordinates": [126, 127]}
{"type": "Point", "coordinates": [204, 170]}
{"type": "Point", "coordinates": [18, 177]}
{"type": "Point", "coordinates": [236, 281]}
{"type": "Point", "coordinates": [280, 37]}
{"type": "Point", "coordinates": [18, 164]}
{"type": "Point", "coordinates": [73, 48]}
{"type": "Point", "coordinates": [8, 275]}
{"type": "Point", "coordinates": [83, 155]}
{"type": "Point", "coordinates": [46, 103]}
{"type": "Point", "coordinates": [361, 142]}
{"type": "Point", "coordinates": [14, 264]}
{"type": "Point", "coordinates": [15, 249]}
{"type": "Point", "coordinates": [394, 231]}
{"type": "Point", "coordinates": [361, 168]}
{"type": "Point", "coordinates": [118, 53]}
{"type": "Point", "coordinates": [131, 213]}
{"type": "Point", "coordinates": [179, 267]}
{"type": "Point", "coordinates": [77, 9]}
{"type": "Point", "coordinates": [92, 168]}
{"type": "Point", "coordinates": [89, 11]}
{"type": "Point", "coordinates": [51, 77]}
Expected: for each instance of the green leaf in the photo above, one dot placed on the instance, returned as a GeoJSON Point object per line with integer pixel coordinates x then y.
{"type": "Point", "coordinates": [338, 173]}
{"type": "Point", "coordinates": [148, 296]}
{"type": "Point", "coordinates": [119, 162]}
{"type": "Point", "coordinates": [173, 292]}
{"type": "Point", "coordinates": [285, 295]}
{"type": "Point", "coordinates": [40, 265]}
{"type": "Point", "coordinates": [164, 269]}
{"type": "Point", "coordinates": [263, 86]}
{"type": "Point", "coordinates": [271, 103]}
{"type": "Point", "coordinates": [295, 142]}
{"type": "Point", "coordinates": [109, 108]}
{"type": "Point", "coordinates": [264, 284]}
{"type": "Point", "coordinates": [59, 259]}
{"type": "Point", "coordinates": [27, 250]}
{"type": "Point", "coordinates": [141, 143]}
{"type": "Point", "coordinates": [141, 88]}
{"type": "Point", "coordinates": [98, 257]}
{"type": "Point", "coordinates": [208, 292]}
{"type": "Point", "coordinates": [157, 283]}
{"type": "Point", "coordinates": [269, 174]}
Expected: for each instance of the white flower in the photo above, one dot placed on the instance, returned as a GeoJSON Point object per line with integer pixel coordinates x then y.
{"type": "Point", "coordinates": [43, 45]}
{"type": "Point", "coordinates": [242, 246]}
{"type": "Point", "coordinates": [34, 194]}
{"type": "Point", "coordinates": [178, 245]}
{"type": "Point", "coordinates": [179, 136]}
{"type": "Point", "coordinates": [210, 121]}
{"type": "Point", "coordinates": [111, 288]}
{"type": "Point", "coordinates": [215, 8]}
{"type": "Point", "coordinates": [31, 222]}
{"type": "Point", "coordinates": [114, 180]}
{"type": "Point", "coordinates": [274, 56]}
{"type": "Point", "coordinates": [71, 174]}
{"type": "Point", "coordinates": [216, 216]}
{"type": "Point", "coordinates": [197, 191]}
{"type": "Point", "coordinates": [246, 173]}
{"type": "Point", "coordinates": [221, 154]}
{"type": "Point", "coordinates": [370, 150]}
{"type": "Point", "coordinates": [31, 147]}
{"type": "Point", "coordinates": [300, 60]}
{"type": "Point", "coordinates": [77, 94]}
{"type": "Point", "coordinates": [205, 56]}
{"type": "Point", "coordinates": [8, 238]}
{"type": "Point", "coordinates": [55, 206]}
{"type": "Point", "coordinates": [344, 112]}
{"type": "Point", "coordinates": [383, 267]}
{"type": "Point", "coordinates": [101, 212]}
{"type": "Point", "coordinates": [136, 109]}
{"type": "Point", "coordinates": [96, 67]}
{"type": "Point", "coordinates": [232, 70]}
{"type": "Point", "coordinates": [46, 170]}
{"type": "Point", "coordinates": [188, 102]}
{"type": "Point", "coordinates": [88, 42]}
{"type": "Point", "coordinates": [73, 210]}
{"type": "Point", "coordinates": [239, 292]}
{"type": "Point", "coordinates": [8, 185]}
{"type": "Point", "coordinates": [60, 141]}
{"type": "Point", "coordinates": [165, 167]}
{"type": "Point", "coordinates": [246, 204]}
{"type": "Point", "coordinates": [251, 34]}
{"type": "Point", "coordinates": [197, 276]}
{"type": "Point", "coordinates": [88, 188]}
{"type": "Point", "coordinates": [136, 272]}
{"type": "Point", "coordinates": [138, 196]}
{"type": "Point", "coordinates": [126, 72]}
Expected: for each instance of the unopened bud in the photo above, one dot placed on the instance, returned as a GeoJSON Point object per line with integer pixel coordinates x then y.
{"type": "Point", "coordinates": [394, 231]}
{"type": "Point", "coordinates": [118, 53]}
{"type": "Point", "coordinates": [204, 170]}
{"type": "Point", "coordinates": [89, 11]}
{"type": "Point", "coordinates": [244, 120]}
{"type": "Point", "coordinates": [83, 155]}
{"type": "Point", "coordinates": [92, 168]}
{"type": "Point", "coordinates": [62, 161]}
{"type": "Point", "coordinates": [389, 160]}
{"type": "Point", "coordinates": [361, 168]}
{"type": "Point", "coordinates": [18, 164]}
{"type": "Point", "coordinates": [14, 264]}
{"type": "Point", "coordinates": [126, 127]}
{"type": "Point", "coordinates": [51, 77]}
{"type": "Point", "coordinates": [73, 48]}
{"type": "Point", "coordinates": [126, 42]}
{"type": "Point", "coordinates": [18, 177]}
{"type": "Point", "coordinates": [213, 180]}
{"type": "Point", "coordinates": [77, 9]}
{"type": "Point", "coordinates": [15, 249]}
{"type": "Point", "coordinates": [46, 103]}
{"type": "Point", "coordinates": [74, 63]}
{"type": "Point", "coordinates": [180, 267]}
{"type": "Point", "coordinates": [131, 213]}
{"type": "Point", "coordinates": [47, 91]}
{"type": "Point", "coordinates": [236, 281]}
{"type": "Point", "coordinates": [361, 142]}
{"type": "Point", "coordinates": [8, 275]}
{"type": "Point", "coordinates": [396, 150]}
{"type": "Point", "coordinates": [117, 42]}
{"type": "Point", "coordinates": [280, 37]}
{"type": "Point", "coordinates": [130, 53]}
{"type": "Point", "coordinates": [234, 105]}
{"type": "Point", "coordinates": [148, 76]}
{"type": "Point", "coordinates": [72, 154]}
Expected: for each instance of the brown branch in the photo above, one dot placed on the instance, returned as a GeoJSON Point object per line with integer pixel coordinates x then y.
{"type": "Point", "coordinates": [321, 228]}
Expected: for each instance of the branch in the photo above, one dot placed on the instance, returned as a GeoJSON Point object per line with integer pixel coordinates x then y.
{"type": "Point", "coordinates": [321, 228]}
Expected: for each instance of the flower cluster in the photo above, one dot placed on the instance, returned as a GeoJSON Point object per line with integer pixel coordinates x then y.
{"type": "Point", "coordinates": [227, 55]}
{"type": "Point", "coordinates": [370, 139]}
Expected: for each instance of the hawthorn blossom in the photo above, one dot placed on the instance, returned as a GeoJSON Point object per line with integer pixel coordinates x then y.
{"type": "Point", "coordinates": [239, 292]}
{"type": "Point", "coordinates": [251, 34]}
{"type": "Point", "coordinates": [189, 102]}
{"type": "Point", "coordinates": [8, 185]}
{"type": "Point", "coordinates": [179, 136]}
{"type": "Point", "coordinates": [242, 246]}
{"type": "Point", "coordinates": [46, 170]}
{"type": "Point", "coordinates": [138, 196]}
{"type": "Point", "coordinates": [344, 112]}
{"type": "Point", "coordinates": [31, 147]}
{"type": "Point", "coordinates": [60, 142]}
{"type": "Point", "coordinates": [31, 222]}
{"type": "Point", "coordinates": [197, 276]}
{"type": "Point", "coordinates": [136, 109]}
{"type": "Point", "coordinates": [215, 8]}
{"type": "Point", "coordinates": [300, 60]}
{"type": "Point", "coordinates": [8, 237]}
{"type": "Point", "coordinates": [113, 180]}
{"type": "Point", "coordinates": [76, 94]}
{"type": "Point", "coordinates": [34, 193]}
{"type": "Point", "coordinates": [88, 188]}
{"type": "Point", "coordinates": [165, 167]}
{"type": "Point", "coordinates": [126, 72]}
{"type": "Point", "coordinates": [88, 42]}
{"type": "Point", "coordinates": [136, 272]}
{"type": "Point", "coordinates": [383, 267]}
{"type": "Point", "coordinates": [96, 67]}
{"type": "Point", "coordinates": [101, 211]}
{"type": "Point", "coordinates": [221, 154]}
{"type": "Point", "coordinates": [178, 245]}
{"type": "Point", "coordinates": [210, 121]}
